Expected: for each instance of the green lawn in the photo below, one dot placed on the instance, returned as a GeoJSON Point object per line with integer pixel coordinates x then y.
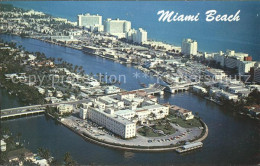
{"type": "Point", "coordinates": [185, 123]}
{"type": "Point", "coordinates": [167, 129]}
{"type": "Point", "coordinates": [148, 132]}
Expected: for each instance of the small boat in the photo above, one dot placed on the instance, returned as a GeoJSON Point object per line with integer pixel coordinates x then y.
{"type": "Point", "coordinates": [143, 85]}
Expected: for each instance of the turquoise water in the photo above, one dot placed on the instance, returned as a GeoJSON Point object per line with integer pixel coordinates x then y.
{"type": "Point", "coordinates": [242, 36]}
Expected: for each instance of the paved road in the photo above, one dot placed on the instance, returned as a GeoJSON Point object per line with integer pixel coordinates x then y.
{"type": "Point", "coordinates": [24, 109]}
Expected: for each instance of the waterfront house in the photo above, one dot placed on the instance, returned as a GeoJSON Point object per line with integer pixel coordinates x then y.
{"type": "Point", "coordinates": [253, 110]}
{"type": "Point", "coordinates": [185, 114]}
{"type": "Point", "coordinates": [64, 108]}
{"type": "Point", "coordinates": [3, 146]}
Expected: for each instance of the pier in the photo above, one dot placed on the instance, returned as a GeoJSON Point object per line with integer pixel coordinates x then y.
{"type": "Point", "coordinates": [189, 147]}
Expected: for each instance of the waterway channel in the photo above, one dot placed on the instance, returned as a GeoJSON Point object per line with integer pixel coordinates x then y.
{"type": "Point", "coordinates": [232, 139]}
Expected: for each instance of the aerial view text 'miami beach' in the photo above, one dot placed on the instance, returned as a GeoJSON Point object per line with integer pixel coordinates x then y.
{"type": "Point", "coordinates": [129, 83]}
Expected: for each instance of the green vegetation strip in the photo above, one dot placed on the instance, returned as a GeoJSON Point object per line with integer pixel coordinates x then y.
{"type": "Point", "coordinates": [149, 132]}
{"type": "Point", "coordinates": [185, 123]}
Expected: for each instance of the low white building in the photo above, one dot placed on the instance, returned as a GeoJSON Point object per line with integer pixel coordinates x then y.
{"type": "Point", "coordinates": [199, 89]}
{"type": "Point", "coordinates": [3, 146]}
{"type": "Point", "coordinates": [216, 73]}
{"type": "Point", "coordinates": [226, 95]}
{"type": "Point", "coordinates": [64, 108]}
{"type": "Point", "coordinates": [149, 112]}
{"type": "Point", "coordinates": [112, 89]}
{"type": "Point", "coordinates": [93, 83]}
{"type": "Point", "coordinates": [185, 114]}
{"type": "Point", "coordinates": [40, 90]}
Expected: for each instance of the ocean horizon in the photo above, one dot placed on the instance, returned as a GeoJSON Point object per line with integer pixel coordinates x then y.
{"type": "Point", "coordinates": [241, 36]}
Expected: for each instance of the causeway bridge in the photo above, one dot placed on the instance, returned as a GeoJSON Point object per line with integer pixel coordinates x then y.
{"type": "Point", "coordinates": [22, 113]}
{"type": "Point", "coordinates": [180, 87]}
{"type": "Point", "coordinates": [31, 110]}
{"type": "Point", "coordinates": [154, 89]}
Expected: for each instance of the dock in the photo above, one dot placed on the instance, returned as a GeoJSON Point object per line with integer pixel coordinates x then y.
{"type": "Point", "coordinates": [189, 147]}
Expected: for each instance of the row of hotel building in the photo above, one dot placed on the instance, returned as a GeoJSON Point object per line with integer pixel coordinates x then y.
{"type": "Point", "coordinates": [230, 59]}
{"type": "Point", "coordinates": [119, 28]}
{"type": "Point", "coordinates": [240, 61]}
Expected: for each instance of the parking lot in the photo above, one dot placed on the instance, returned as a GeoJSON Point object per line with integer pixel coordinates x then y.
{"type": "Point", "coordinates": [90, 128]}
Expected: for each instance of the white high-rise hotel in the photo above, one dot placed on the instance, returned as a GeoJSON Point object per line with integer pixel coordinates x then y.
{"type": "Point", "coordinates": [88, 20]}
{"type": "Point", "coordinates": [141, 36]}
{"type": "Point", "coordinates": [117, 27]}
{"type": "Point", "coordinates": [137, 36]}
{"type": "Point", "coordinates": [189, 47]}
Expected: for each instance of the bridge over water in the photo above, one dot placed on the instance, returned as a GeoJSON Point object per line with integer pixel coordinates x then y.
{"type": "Point", "coordinates": [33, 109]}
{"type": "Point", "coordinates": [154, 89]}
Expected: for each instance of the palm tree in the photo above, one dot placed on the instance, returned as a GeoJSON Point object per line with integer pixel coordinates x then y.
{"type": "Point", "coordinates": [75, 69]}
{"type": "Point", "coordinates": [152, 115]}
{"type": "Point", "coordinates": [68, 160]}
{"type": "Point", "coordinates": [19, 136]}
{"type": "Point", "coordinates": [80, 68]}
{"type": "Point", "coordinates": [22, 158]}
{"type": "Point", "coordinates": [40, 151]}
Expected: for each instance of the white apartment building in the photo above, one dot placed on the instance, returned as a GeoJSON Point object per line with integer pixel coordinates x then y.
{"type": "Point", "coordinates": [230, 52]}
{"type": "Point", "coordinates": [257, 75]}
{"type": "Point", "coordinates": [220, 58]}
{"type": "Point", "coordinates": [88, 20]}
{"type": "Point", "coordinates": [117, 27]}
{"type": "Point", "coordinates": [216, 73]}
{"type": "Point", "coordinates": [126, 95]}
{"type": "Point", "coordinates": [130, 34]}
{"type": "Point", "coordinates": [227, 95]}
{"type": "Point", "coordinates": [231, 62]}
{"type": "Point", "coordinates": [117, 124]}
{"type": "Point", "coordinates": [128, 113]}
{"type": "Point", "coordinates": [244, 66]}
{"type": "Point", "coordinates": [112, 89]}
{"type": "Point", "coordinates": [232, 58]}
{"type": "Point", "coordinates": [189, 47]}
{"type": "Point", "coordinates": [83, 113]}
{"type": "Point", "coordinates": [237, 90]}
{"type": "Point", "coordinates": [97, 28]}
{"type": "Point", "coordinates": [145, 113]}
{"type": "Point", "coordinates": [137, 36]}
{"type": "Point", "coordinates": [107, 100]}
